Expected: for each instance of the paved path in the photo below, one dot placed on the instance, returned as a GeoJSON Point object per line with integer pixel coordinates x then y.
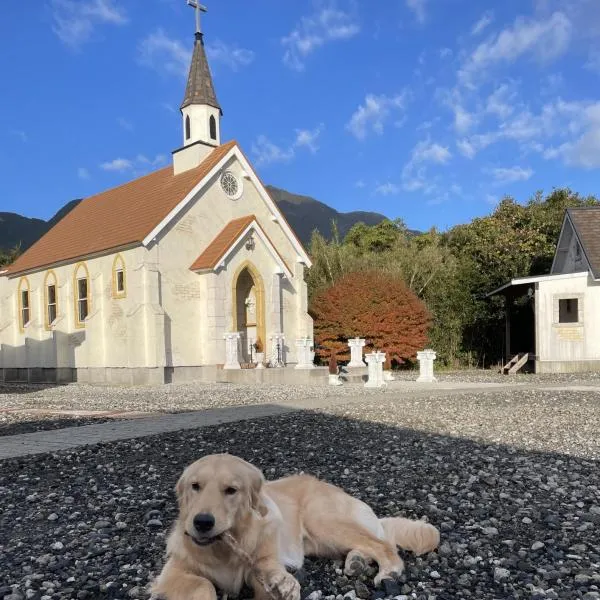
{"type": "Point", "coordinates": [41, 442]}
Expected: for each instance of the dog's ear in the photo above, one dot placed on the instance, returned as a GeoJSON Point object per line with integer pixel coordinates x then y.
{"type": "Point", "coordinates": [180, 487]}
{"type": "Point", "coordinates": [257, 480]}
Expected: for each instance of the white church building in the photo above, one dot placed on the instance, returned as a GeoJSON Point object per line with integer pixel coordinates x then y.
{"type": "Point", "coordinates": [150, 281]}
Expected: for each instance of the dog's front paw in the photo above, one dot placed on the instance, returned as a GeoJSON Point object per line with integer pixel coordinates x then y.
{"type": "Point", "coordinates": [284, 586]}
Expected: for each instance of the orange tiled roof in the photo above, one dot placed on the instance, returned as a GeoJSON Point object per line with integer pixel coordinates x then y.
{"type": "Point", "coordinates": [119, 217]}
{"type": "Point", "coordinates": [215, 251]}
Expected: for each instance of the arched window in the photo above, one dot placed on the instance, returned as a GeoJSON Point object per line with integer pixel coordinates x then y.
{"type": "Point", "coordinates": [119, 279]}
{"type": "Point", "coordinates": [188, 128]}
{"type": "Point", "coordinates": [24, 301]}
{"type": "Point", "coordinates": [50, 298]}
{"type": "Point", "coordinates": [81, 294]}
{"type": "Point", "coordinates": [212, 126]}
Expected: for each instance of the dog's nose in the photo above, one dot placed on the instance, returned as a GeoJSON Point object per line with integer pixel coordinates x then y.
{"type": "Point", "coordinates": [204, 522]}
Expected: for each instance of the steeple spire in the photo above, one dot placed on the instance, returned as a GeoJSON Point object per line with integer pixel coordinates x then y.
{"type": "Point", "coordinates": [200, 110]}
{"type": "Point", "coordinates": [200, 88]}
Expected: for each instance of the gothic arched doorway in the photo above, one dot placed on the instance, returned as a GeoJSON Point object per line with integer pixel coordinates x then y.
{"type": "Point", "coordinates": [249, 310]}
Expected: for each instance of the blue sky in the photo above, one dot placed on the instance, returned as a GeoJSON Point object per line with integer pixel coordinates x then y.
{"type": "Point", "coordinates": [428, 110]}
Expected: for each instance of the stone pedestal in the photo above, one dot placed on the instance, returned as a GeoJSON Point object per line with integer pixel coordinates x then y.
{"type": "Point", "coordinates": [305, 353]}
{"type": "Point", "coordinates": [260, 359]}
{"type": "Point", "coordinates": [356, 353]}
{"type": "Point", "coordinates": [232, 348]}
{"type": "Point", "coordinates": [335, 379]}
{"type": "Point", "coordinates": [388, 376]}
{"type": "Point", "coordinates": [277, 356]}
{"type": "Point", "coordinates": [375, 362]}
{"type": "Point", "coordinates": [426, 358]}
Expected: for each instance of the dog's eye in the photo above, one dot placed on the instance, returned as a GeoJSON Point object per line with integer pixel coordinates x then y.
{"type": "Point", "coordinates": [230, 491]}
{"type": "Point", "coordinates": [196, 487]}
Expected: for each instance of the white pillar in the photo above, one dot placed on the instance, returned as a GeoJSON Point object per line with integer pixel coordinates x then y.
{"type": "Point", "coordinates": [375, 362]}
{"type": "Point", "coordinates": [426, 358]}
{"type": "Point", "coordinates": [277, 358]}
{"type": "Point", "coordinates": [305, 353]}
{"type": "Point", "coordinates": [356, 353]}
{"type": "Point", "coordinates": [276, 304]}
{"type": "Point", "coordinates": [232, 342]}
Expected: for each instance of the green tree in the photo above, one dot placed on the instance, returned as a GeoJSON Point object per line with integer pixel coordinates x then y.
{"type": "Point", "coordinates": [7, 257]}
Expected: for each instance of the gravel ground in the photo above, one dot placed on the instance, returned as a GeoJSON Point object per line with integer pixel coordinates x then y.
{"type": "Point", "coordinates": [492, 376]}
{"type": "Point", "coordinates": [163, 398]}
{"type": "Point", "coordinates": [198, 396]}
{"type": "Point", "coordinates": [11, 424]}
{"type": "Point", "coordinates": [515, 523]}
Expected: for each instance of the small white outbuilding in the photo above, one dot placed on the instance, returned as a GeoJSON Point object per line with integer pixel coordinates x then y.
{"type": "Point", "coordinates": [561, 331]}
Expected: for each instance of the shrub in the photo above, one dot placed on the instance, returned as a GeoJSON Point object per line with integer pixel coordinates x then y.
{"type": "Point", "coordinates": [375, 306]}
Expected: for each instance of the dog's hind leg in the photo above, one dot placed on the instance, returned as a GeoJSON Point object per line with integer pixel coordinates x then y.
{"type": "Point", "coordinates": [341, 537]}
{"type": "Point", "coordinates": [417, 536]}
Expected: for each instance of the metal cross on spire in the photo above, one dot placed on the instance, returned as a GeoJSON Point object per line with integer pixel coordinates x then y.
{"type": "Point", "coordinates": [198, 8]}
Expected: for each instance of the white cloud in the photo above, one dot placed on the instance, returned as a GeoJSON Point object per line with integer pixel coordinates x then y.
{"type": "Point", "coordinates": [373, 114]}
{"type": "Point", "coordinates": [485, 20]}
{"type": "Point", "coordinates": [500, 101]}
{"type": "Point", "coordinates": [511, 174]}
{"type": "Point", "coordinates": [584, 150]}
{"type": "Point", "coordinates": [171, 56]}
{"type": "Point", "coordinates": [329, 24]}
{"type": "Point", "coordinates": [388, 189]}
{"type": "Point", "coordinates": [164, 54]}
{"type": "Point", "coordinates": [139, 164]}
{"type": "Point", "coordinates": [83, 173]}
{"type": "Point", "coordinates": [118, 164]}
{"type": "Point", "coordinates": [307, 138]}
{"type": "Point", "coordinates": [230, 56]}
{"type": "Point", "coordinates": [570, 126]}
{"type": "Point", "coordinates": [360, 184]}
{"type": "Point", "coordinates": [445, 52]}
{"type": "Point", "coordinates": [267, 152]}
{"type": "Point", "coordinates": [418, 8]}
{"type": "Point", "coordinates": [158, 161]}
{"type": "Point", "coordinates": [414, 172]}
{"type": "Point", "coordinates": [466, 148]}
{"type": "Point", "coordinates": [125, 124]}
{"type": "Point", "coordinates": [546, 39]}
{"type": "Point", "coordinates": [463, 119]}
{"type": "Point", "coordinates": [426, 151]}
{"type": "Point", "coordinates": [76, 20]}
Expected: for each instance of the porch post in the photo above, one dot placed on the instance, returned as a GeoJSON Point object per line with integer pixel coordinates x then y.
{"type": "Point", "coordinates": [507, 311]}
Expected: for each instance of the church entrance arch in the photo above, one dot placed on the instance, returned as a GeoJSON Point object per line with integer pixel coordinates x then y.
{"type": "Point", "coordinates": [248, 293]}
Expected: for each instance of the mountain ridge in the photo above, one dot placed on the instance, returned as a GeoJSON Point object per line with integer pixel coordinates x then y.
{"type": "Point", "coordinates": [304, 213]}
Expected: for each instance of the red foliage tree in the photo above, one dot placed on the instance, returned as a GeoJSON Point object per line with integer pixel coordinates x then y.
{"type": "Point", "coordinates": [371, 305]}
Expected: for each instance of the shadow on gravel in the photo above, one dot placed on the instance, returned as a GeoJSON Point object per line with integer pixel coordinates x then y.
{"type": "Point", "coordinates": [91, 523]}
{"type": "Point", "coordinates": [22, 387]}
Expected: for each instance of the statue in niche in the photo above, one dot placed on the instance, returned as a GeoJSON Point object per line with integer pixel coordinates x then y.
{"type": "Point", "coordinates": [251, 307]}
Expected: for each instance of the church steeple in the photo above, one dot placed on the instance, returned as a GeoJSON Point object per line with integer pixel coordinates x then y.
{"type": "Point", "coordinates": [200, 88]}
{"type": "Point", "coordinates": [200, 110]}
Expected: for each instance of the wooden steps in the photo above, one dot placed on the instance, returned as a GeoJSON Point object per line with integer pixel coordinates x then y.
{"type": "Point", "coordinates": [516, 363]}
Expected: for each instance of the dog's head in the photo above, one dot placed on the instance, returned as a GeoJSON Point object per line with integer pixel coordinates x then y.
{"type": "Point", "coordinates": [217, 493]}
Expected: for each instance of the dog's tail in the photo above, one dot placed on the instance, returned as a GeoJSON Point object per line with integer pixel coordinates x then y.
{"type": "Point", "coordinates": [417, 536]}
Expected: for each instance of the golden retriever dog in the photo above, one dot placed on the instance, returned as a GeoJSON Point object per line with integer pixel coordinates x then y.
{"type": "Point", "coordinates": [224, 500]}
